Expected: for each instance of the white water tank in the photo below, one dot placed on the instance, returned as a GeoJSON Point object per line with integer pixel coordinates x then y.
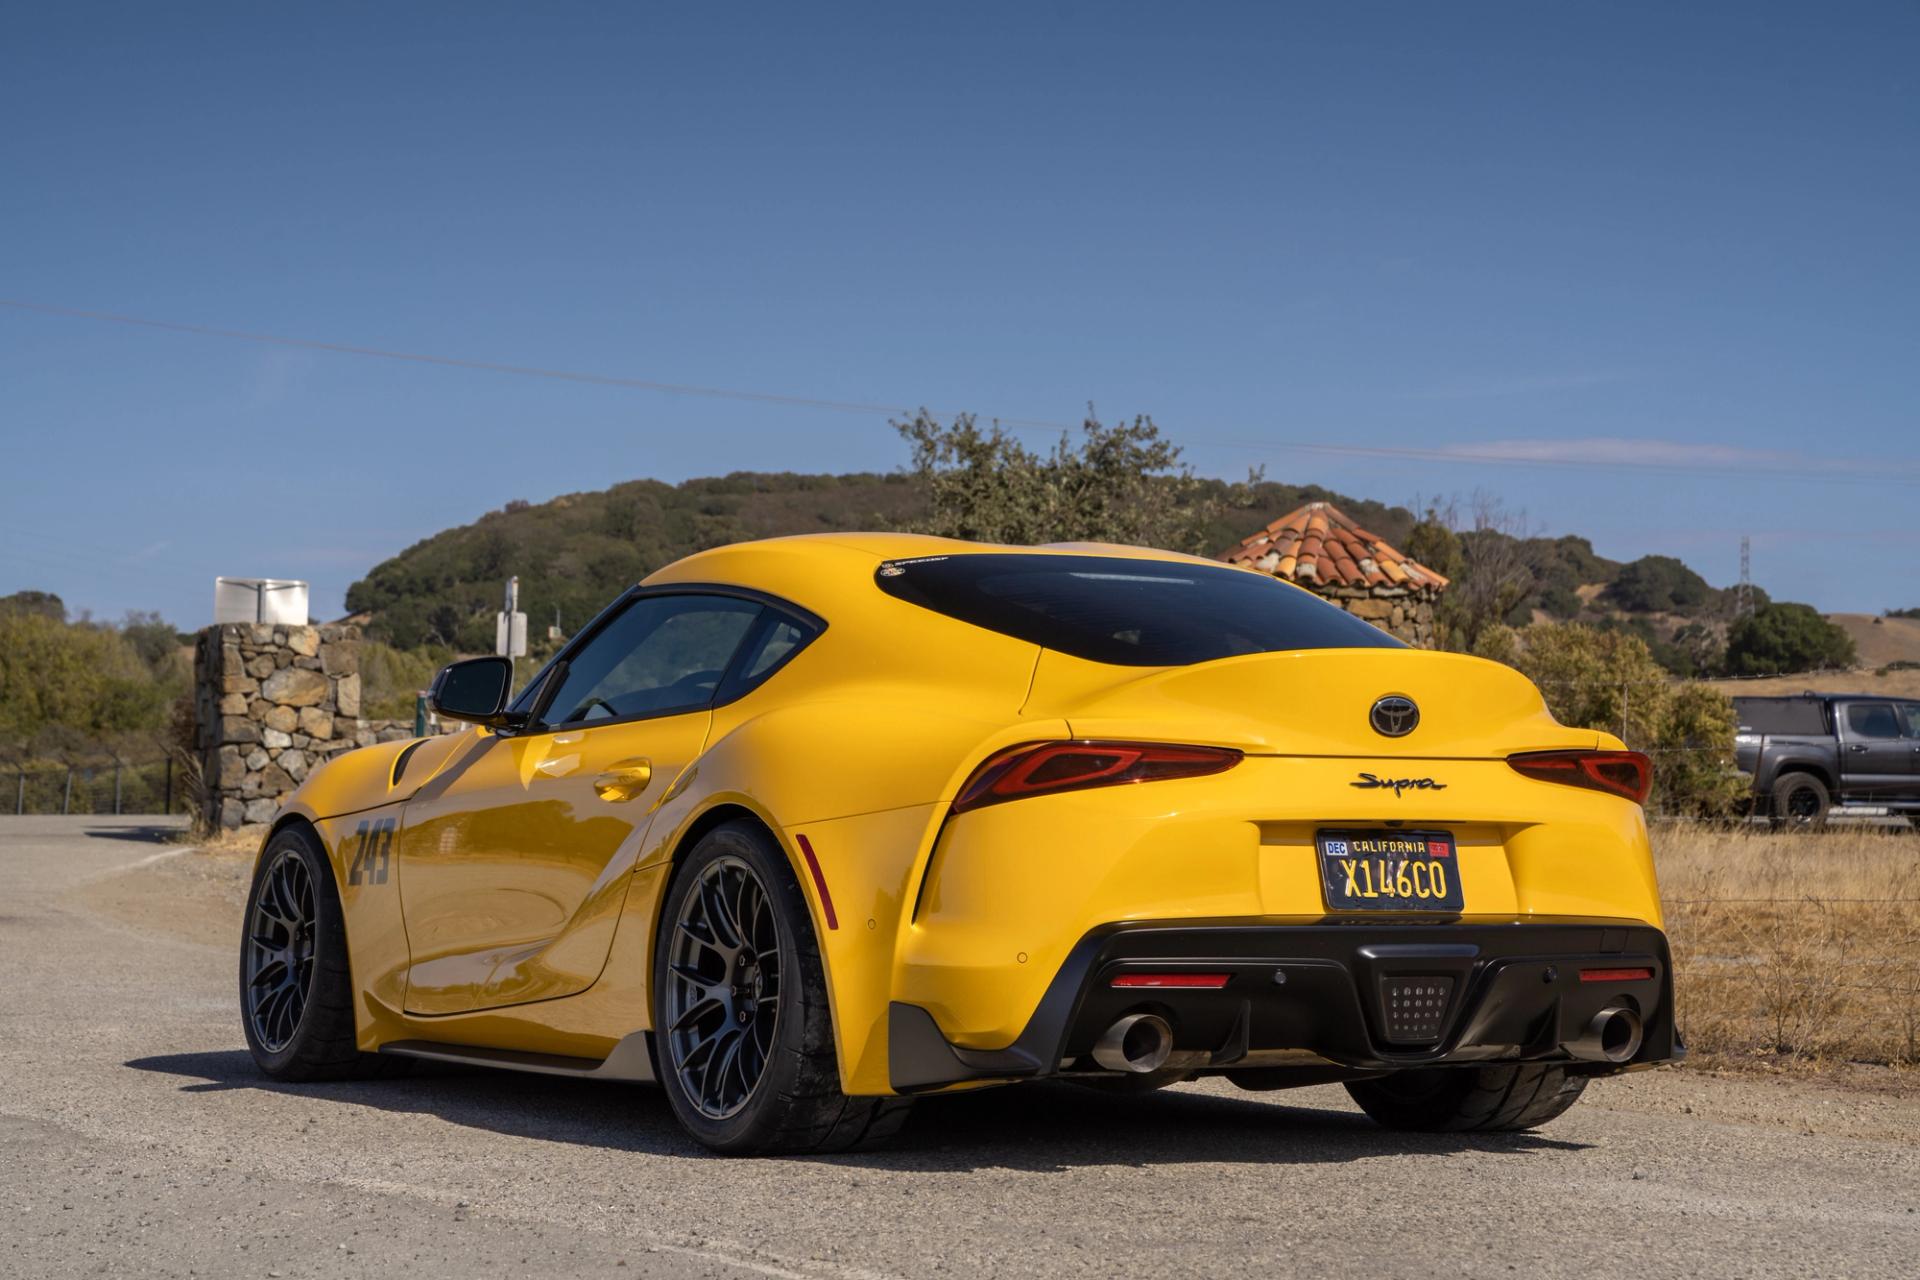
{"type": "Point", "coordinates": [279, 600]}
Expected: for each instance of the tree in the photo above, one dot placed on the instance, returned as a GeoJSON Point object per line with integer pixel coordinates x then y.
{"type": "Point", "coordinates": [1658, 584]}
{"type": "Point", "coordinates": [1492, 578]}
{"type": "Point", "coordinates": [81, 678]}
{"type": "Point", "coordinates": [1785, 639]}
{"type": "Point", "coordinates": [1122, 483]}
{"type": "Point", "coordinates": [44, 603]}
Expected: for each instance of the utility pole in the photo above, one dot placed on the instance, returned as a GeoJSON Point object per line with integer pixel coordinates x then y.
{"type": "Point", "coordinates": [1743, 594]}
{"type": "Point", "coordinates": [510, 628]}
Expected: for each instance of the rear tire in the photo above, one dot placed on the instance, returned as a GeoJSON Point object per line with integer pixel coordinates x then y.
{"type": "Point", "coordinates": [1491, 1099]}
{"type": "Point", "coordinates": [747, 1072]}
{"type": "Point", "coordinates": [1800, 800]}
{"type": "Point", "coordinates": [296, 987]}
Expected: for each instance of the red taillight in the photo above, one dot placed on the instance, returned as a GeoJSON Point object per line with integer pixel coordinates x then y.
{"type": "Point", "coordinates": [1036, 768]}
{"type": "Point", "coordinates": [1615, 975]}
{"type": "Point", "coordinates": [1191, 981]}
{"type": "Point", "coordinates": [1624, 773]}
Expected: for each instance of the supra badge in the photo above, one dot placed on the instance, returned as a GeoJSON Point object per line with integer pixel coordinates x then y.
{"type": "Point", "coordinates": [1368, 782]}
{"type": "Point", "coordinates": [1394, 716]}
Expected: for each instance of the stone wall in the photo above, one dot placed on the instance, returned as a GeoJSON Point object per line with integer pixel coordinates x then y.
{"type": "Point", "coordinates": [1395, 610]}
{"type": "Point", "coordinates": [272, 703]}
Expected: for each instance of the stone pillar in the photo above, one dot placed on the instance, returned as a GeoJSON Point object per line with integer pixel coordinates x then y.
{"type": "Point", "coordinates": [1398, 611]}
{"type": "Point", "coordinates": [271, 704]}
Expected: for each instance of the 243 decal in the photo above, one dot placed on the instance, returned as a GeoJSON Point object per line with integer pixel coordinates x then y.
{"type": "Point", "coordinates": [372, 852]}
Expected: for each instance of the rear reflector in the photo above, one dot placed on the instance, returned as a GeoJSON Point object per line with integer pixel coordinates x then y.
{"type": "Point", "coordinates": [1205, 981]}
{"type": "Point", "coordinates": [1615, 975]}
{"type": "Point", "coordinates": [1623, 773]}
{"type": "Point", "coordinates": [1038, 768]}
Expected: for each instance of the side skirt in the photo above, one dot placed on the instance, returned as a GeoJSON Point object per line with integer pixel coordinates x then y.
{"type": "Point", "coordinates": [629, 1061]}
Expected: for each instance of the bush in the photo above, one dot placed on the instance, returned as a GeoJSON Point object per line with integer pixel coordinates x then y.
{"type": "Point", "coordinates": [1786, 639]}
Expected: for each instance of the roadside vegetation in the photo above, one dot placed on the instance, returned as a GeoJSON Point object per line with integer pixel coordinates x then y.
{"type": "Point", "coordinates": [1794, 950]}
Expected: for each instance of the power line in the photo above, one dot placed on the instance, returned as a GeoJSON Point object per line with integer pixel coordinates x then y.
{"type": "Point", "coordinates": [1864, 474]}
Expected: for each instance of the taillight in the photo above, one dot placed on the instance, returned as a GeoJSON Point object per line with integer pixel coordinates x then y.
{"type": "Point", "coordinates": [1623, 773]}
{"type": "Point", "coordinates": [1037, 768]}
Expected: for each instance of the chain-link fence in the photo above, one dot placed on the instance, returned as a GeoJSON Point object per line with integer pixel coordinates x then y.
{"type": "Point", "coordinates": [96, 778]}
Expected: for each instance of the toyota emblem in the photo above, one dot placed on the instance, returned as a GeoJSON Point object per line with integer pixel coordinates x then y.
{"type": "Point", "coordinates": [1394, 716]}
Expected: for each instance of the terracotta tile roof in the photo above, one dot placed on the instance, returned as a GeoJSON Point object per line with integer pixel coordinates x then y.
{"type": "Point", "coordinates": [1318, 545]}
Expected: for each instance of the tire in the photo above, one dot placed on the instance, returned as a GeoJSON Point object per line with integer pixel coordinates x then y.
{"type": "Point", "coordinates": [1490, 1099]}
{"type": "Point", "coordinates": [300, 1027]}
{"type": "Point", "coordinates": [769, 1084]}
{"type": "Point", "coordinates": [1800, 800]}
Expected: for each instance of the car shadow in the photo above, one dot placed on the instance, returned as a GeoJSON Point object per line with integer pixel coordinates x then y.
{"type": "Point", "coordinates": [141, 834]}
{"type": "Point", "coordinates": [1037, 1128]}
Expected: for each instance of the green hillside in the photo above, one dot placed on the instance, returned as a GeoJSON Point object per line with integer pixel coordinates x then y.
{"type": "Point", "coordinates": [574, 553]}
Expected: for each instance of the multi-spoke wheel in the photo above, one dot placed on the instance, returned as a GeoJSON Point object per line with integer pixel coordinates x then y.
{"type": "Point", "coordinates": [743, 1034]}
{"type": "Point", "coordinates": [723, 988]}
{"type": "Point", "coordinates": [277, 970]}
{"type": "Point", "coordinates": [296, 996]}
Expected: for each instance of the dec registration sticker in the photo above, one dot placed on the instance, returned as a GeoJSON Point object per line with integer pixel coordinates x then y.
{"type": "Point", "coordinates": [1385, 870]}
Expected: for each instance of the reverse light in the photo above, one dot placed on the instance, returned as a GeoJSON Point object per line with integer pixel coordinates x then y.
{"type": "Point", "coordinates": [1189, 981]}
{"type": "Point", "coordinates": [1622, 773]}
{"type": "Point", "coordinates": [1038, 768]}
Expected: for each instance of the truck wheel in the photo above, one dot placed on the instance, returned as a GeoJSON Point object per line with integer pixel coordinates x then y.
{"type": "Point", "coordinates": [1491, 1099]}
{"type": "Point", "coordinates": [1800, 800]}
{"type": "Point", "coordinates": [744, 1037]}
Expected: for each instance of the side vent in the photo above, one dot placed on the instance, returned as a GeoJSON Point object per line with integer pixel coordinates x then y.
{"type": "Point", "coordinates": [400, 762]}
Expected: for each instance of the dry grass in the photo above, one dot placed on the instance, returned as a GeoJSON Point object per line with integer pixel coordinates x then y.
{"type": "Point", "coordinates": [1795, 948]}
{"type": "Point", "coordinates": [1894, 684]}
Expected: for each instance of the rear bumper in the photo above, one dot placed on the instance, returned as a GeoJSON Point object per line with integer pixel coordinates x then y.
{"type": "Point", "coordinates": [1320, 990]}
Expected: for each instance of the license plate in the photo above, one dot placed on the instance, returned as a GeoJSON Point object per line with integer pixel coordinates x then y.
{"type": "Point", "coordinates": [1390, 870]}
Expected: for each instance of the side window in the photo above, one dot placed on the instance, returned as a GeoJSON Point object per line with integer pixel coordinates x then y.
{"type": "Point", "coordinates": [1912, 710]}
{"type": "Point", "coordinates": [1871, 720]}
{"type": "Point", "coordinates": [777, 638]}
{"type": "Point", "coordinates": [661, 654]}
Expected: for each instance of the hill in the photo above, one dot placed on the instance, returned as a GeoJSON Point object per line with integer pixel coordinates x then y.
{"type": "Point", "coordinates": [576, 552]}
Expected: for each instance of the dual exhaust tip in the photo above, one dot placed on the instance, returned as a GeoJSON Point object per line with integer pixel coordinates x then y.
{"type": "Point", "coordinates": [1614, 1035]}
{"type": "Point", "coordinates": [1141, 1043]}
{"type": "Point", "coordinates": [1138, 1043]}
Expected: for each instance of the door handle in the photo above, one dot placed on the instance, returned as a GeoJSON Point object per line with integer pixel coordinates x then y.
{"type": "Point", "coordinates": [623, 780]}
{"type": "Point", "coordinates": [1856, 747]}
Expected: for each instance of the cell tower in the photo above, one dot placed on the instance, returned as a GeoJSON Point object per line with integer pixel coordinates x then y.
{"type": "Point", "coordinates": [1743, 594]}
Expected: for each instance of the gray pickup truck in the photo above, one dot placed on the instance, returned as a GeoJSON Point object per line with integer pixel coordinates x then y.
{"type": "Point", "coordinates": [1809, 753]}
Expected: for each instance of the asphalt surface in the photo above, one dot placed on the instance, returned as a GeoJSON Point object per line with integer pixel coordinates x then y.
{"type": "Point", "coordinates": [136, 1139]}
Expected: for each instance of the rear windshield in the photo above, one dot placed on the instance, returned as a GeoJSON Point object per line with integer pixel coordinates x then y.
{"type": "Point", "coordinates": [1134, 613]}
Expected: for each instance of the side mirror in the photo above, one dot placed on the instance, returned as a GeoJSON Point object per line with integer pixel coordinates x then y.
{"type": "Point", "coordinates": [475, 690]}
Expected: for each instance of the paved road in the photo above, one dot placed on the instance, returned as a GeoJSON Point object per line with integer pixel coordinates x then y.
{"type": "Point", "coordinates": [135, 1139]}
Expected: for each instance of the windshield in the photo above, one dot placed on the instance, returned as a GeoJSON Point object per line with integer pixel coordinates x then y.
{"type": "Point", "coordinates": [1136, 613]}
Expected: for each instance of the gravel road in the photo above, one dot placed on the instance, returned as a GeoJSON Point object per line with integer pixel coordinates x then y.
{"type": "Point", "coordinates": [136, 1139]}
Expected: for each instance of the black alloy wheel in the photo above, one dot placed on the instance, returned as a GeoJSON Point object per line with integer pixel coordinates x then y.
{"type": "Point", "coordinates": [743, 1035]}
{"type": "Point", "coordinates": [277, 972]}
{"type": "Point", "coordinates": [296, 985]}
{"type": "Point", "coordinates": [723, 988]}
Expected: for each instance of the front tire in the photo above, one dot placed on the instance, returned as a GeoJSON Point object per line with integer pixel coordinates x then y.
{"type": "Point", "coordinates": [1490, 1099]}
{"type": "Point", "coordinates": [296, 987]}
{"type": "Point", "coordinates": [742, 1027]}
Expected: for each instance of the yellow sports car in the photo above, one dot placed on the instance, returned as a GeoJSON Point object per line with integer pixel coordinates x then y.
{"type": "Point", "coordinates": [806, 827]}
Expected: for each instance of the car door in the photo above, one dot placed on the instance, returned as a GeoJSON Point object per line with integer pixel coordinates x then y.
{"type": "Point", "coordinates": [1875, 756]}
{"type": "Point", "coordinates": [513, 858]}
{"type": "Point", "coordinates": [1909, 713]}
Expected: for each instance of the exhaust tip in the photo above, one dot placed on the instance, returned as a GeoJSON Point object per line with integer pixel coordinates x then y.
{"type": "Point", "coordinates": [1138, 1043]}
{"type": "Point", "coordinates": [1614, 1035]}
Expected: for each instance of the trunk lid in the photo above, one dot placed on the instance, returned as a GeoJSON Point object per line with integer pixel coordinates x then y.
{"type": "Point", "coordinates": [1314, 702]}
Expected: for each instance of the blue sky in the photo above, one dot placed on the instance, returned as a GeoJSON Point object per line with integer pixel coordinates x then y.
{"type": "Point", "coordinates": [1646, 271]}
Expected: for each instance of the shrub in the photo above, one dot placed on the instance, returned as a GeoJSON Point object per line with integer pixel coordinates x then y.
{"type": "Point", "coordinates": [1785, 639]}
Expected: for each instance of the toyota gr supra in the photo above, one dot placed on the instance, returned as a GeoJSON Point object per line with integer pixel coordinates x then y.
{"type": "Point", "coordinates": [804, 828]}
